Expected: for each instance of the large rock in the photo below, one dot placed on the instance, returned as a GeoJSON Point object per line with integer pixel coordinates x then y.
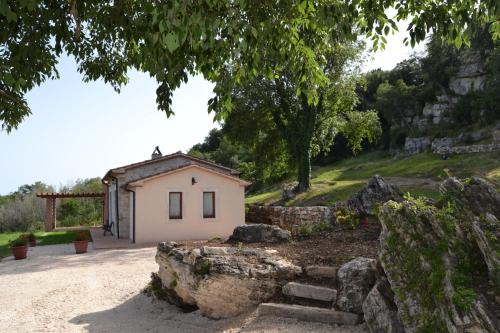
{"type": "Point", "coordinates": [355, 280]}
{"type": "Point", "coordinates": [260, 233]}
{"type": "Point", "coordinates": [380, 311]}
{"type": "Point", "coordinates": [222, 281]}
{"type": "Point", "coordinates": [417, 145]}
{"type": "Point", "coordinates": [428, 254]}
{"type": "Point", "coordinates": [376, 191]}
{"type": "Point", "coordinates": [473, 196]}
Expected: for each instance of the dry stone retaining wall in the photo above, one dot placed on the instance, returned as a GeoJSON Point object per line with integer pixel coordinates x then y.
{"type": "Point", "coordinates": [289, 217]}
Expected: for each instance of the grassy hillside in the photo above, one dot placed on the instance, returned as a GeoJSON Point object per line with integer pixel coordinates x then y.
{"type": "Point", "coordinates": [418, 174]}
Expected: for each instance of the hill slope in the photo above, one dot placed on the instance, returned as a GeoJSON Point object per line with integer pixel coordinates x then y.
{"type": "Point", "coordinates": [418, 174]}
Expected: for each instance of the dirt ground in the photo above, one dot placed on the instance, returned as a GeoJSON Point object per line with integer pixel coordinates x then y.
{"type": "Point", "coordinates": [100, 292]}
{"type": "Point", "coordinates": [331, 248]}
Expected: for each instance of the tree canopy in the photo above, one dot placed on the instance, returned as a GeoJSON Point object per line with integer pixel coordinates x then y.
{"type": "Point", "coordinates": [170, 40]}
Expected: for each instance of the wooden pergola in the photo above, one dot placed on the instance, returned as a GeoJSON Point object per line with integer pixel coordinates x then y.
{"type": "Point", "coordinates": [50, 216]}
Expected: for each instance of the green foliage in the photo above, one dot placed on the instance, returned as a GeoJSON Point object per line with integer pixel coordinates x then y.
{"type": "Point", "coordinates": [20, 241]}
{"type": "Point", "coordinates": [204, 269]}
{"type": "Point", "coordinates": [81, 211]}
{"type": "Point", "coordinates": [310, 229]}
{"type": "Point", "coordinates": [464, 298]}
{"type": "Point", "coordinates": [170, 40]}
{"type": "Point", "coordinates": [82, 235]}
{"type": "Point", "coordinates": [305, 230]}
{"type": "Point", "coordinates": [346, 216]}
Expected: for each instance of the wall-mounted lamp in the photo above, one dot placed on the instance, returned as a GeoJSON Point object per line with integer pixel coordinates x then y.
{"type": "Point", "coordinates": [193, 181]}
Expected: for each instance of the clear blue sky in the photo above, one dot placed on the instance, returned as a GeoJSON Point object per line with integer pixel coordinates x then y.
{"type": "Point", "coordinates": [81, 130]}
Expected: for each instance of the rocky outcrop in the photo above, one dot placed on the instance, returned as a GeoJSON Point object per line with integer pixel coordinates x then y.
{"type": "Point", "coordinates": [471, 149]}
{"type": "Point", "coordinates": [376, 191]}
{"type": "Point", "coordinates": [355, 280]}
{"type": "Point", "coordinates": [461, 144]}
{"type": "Point", "coordinates": [288, 191]}
{"type": "Point", "coordinates": [473, 196]}
{"type": "Point", "coordinates": [470, 75]}
{"type": "Point", "coordinates": [430, 253]}
{"type": "Point", "coordinates": [416, 145]}
{"type": "Point", "coordinates": [260, 233]}
{"type": "Point", "coordinates": [380, 311]}
{"type": "Point", "coordinates": [222, 281]}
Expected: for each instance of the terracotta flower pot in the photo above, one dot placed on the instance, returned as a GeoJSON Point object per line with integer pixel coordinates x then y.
{"type": "Point", "coordinates": [81, 246]}
{"type": "Point", "coordinates": [33, 242]}
{"type": "Point", "coordinates": [19, 252]}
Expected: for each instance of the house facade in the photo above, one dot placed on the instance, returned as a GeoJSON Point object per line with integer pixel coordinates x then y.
{"type": "Point", "coordinates": [173, 197]}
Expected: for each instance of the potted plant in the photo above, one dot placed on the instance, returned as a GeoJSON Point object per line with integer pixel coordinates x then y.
{"type": "Point", "coordinates": [19, 247]}
{"type": "Point", "coordinates": [32, 239]}
{"type": "Point", "coordinates": [81, 242]}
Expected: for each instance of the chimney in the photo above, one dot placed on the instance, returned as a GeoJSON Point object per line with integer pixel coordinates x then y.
{"type": "Point", "coordinates": [156, 153]}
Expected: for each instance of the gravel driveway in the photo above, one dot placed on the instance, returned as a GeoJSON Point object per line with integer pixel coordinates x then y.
{"type": "Point", "coordinates": [53, 291]}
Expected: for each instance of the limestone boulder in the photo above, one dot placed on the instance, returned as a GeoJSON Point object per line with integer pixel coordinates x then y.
{"type": "Point", "coordinates": [355, 280]}
{"type": "Point", "coordinates": [288, 191]}
{"type": "Point", "coordinates": [376, 191]}
{"type": "Point", "coordinates": [473, 196]}
{"type": "Point", "coordinates": [222, 281]}
{"type": "Point", "coordinates": [424, 249]}
{"type": "Point", "coordinates": [260, 233]}
{"type": "Point", "coordinates": [379, 310]}
{"type": "Point", "coordinates": [416, 145]}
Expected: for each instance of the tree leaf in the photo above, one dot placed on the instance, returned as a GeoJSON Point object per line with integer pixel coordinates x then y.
{"type": "Point", "coordinates": [171, 42]}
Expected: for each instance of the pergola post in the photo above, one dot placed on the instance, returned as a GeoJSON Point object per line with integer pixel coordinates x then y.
{"type": "Point", "coordinates": [50, 221]}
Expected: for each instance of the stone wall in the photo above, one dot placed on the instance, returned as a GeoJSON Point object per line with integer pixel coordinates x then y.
{"type": "Point", "coordinates": [455, 145]}
{"type": "Point", "coordinates": [289, 217]}
{"type": "Point", "coordinates": [486, 148]}
{"type": "Point", "coordinates": [375, 191]}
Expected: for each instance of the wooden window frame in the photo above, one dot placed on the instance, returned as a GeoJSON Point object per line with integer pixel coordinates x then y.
{"type": "Point", "coordinates": [213, 205]}
{"type": "Point", "coordinates": [170, 217]}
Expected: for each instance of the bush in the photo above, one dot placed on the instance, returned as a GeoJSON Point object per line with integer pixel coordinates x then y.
{"type": "Point", "coordinates": [346, 216]}
{"type": "Point", "coordinates": [20, 241]}
{"type": "Point", "coordinates": [81, 236]}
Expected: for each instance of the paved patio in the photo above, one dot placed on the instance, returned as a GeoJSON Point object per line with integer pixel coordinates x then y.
{"type": "Point", "coordinates": [108, 241]}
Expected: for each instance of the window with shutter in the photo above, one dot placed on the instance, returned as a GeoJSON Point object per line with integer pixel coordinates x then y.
{"type": "Point", "coordinates": [208, 204]}
{"type": "Point", "coordinates": [175, 205]}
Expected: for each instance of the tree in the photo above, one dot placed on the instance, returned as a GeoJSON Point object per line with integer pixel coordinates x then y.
{"type": "Point", "coordinates": [171, 39]}
{"type": "Point", "coordinates": [307, 128]}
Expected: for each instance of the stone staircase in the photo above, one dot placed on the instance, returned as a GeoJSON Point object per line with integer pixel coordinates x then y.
{"type": "Point", "coordinates": [308, 301]}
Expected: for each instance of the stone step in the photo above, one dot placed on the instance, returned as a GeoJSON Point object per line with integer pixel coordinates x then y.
{"type": "Point", "coordinates": [321, 272]}
{"type": "Point", "coordinates": [308, 313]}
{"type": "Point", "coordinates": [316, 293]}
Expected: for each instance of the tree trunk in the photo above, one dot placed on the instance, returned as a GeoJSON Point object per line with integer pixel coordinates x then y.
{"type": "Point", "coordinates": [305, 123]}
{"type": "Point", "coordinates": [304, 169]}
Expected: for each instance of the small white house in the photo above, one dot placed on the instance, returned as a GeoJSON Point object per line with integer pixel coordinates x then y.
{"type": "Point", "coordinates": [173, 197]}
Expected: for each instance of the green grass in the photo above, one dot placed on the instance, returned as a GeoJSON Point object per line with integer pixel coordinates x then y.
{"type": "Point", "coordinates": [42, 238]}
{"type": "Point", "coordinates": [341, 180]}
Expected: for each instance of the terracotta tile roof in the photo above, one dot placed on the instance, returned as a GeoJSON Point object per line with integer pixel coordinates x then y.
{"type": "Point", "coordinates": [171, 156]}
{"type": "Point", "coordinates": [242, 181]}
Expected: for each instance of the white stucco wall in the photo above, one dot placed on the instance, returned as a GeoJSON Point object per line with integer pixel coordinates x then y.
{"type": "Point", "coordinates": [151, 207]}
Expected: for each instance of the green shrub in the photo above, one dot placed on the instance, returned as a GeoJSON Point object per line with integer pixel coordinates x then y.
{"type": "Point", "coordinates": [346, 216]}
{"type": "Point", "coordinates": [305, 230]}
{"type": "Point", "coordinates": [20, 241]}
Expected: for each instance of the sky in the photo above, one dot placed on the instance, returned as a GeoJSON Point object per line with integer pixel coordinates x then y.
{"type": "Point", "coordinates": [81, 130]}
